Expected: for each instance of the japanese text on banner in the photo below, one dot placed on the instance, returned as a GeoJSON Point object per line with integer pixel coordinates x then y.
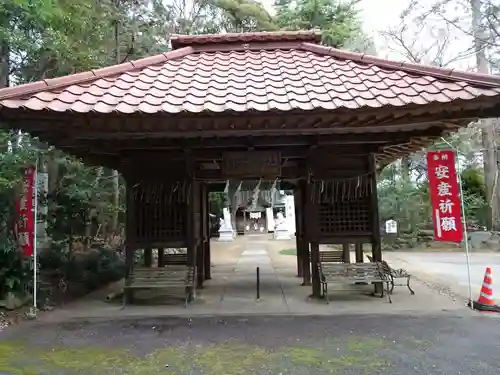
{"type": "Point", "coordinates": [445, 196]}
{"type": "Point", "coordinates": [25, 210]}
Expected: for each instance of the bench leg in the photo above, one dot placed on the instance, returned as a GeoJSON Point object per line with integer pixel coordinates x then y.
{"type": "Point", "coordinates": [378, 289]}
{"type": "Point", "coordinates": [124, 302]}
{"type": "Point", "coordinates": [388, 293]}
{"type": "Point", "coordinates": [408, 285]}
{"type": "Point", "coordinates": [128, 297]}
{"type": "Point", "coordinates": [325, 293]}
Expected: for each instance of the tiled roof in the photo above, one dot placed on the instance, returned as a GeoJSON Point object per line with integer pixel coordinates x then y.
{"type": "Point", "coordinates": [250, 72]}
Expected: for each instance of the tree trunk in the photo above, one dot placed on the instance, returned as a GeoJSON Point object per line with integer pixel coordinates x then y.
{"type": "Point", "coordinates": [409, 213]}
{"type": "Point", "coordinates": [43, 208]}
{"type": "Point", "coordinates": [116, 177]}
{"type": "Point", "coordinates": [487, 125]}
{"type": "Point", "coordinates": [93, 214]}
{"type": "Point", "coordinates": [53, 183]}
{"type": "Point", "coordinates": [4, 64]}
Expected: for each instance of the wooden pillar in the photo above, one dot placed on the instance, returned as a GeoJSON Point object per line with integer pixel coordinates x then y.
{"type": "Point", "coordinates": [148, 257]}
{"type": "Point", "coordinates": [311, 227]}
{"type": "Point", "coordinates": [346, 253]}
{"type": "Point", "coordinates": [191, 234]}
{"type": "Point", "coordinates": [202, 209]}
{"type": "Point", "coordinates": [161, 257]}
{"type": "Point", "coordinates": [376, 238]}
{"type": "Point", "coordinates": [359, 252]}
{"type": "Point", "coordinates": [130, 231]}
{"type": "Point", "coordinates": [304, 239]}
{"type": "Point", "coordinates": [316, 286]}
{"type": "Point", "coordinates": [206, 247]}
{"type": "Point", "coordinates": [298, 232]}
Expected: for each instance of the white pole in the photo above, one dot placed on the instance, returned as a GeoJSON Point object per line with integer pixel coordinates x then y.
{"type": "Point", "coordinates": [35, 237]}
{"type": "Point", "coordinates": [464, 222]}
{"type": "Point", "coordinates": [466, 236]}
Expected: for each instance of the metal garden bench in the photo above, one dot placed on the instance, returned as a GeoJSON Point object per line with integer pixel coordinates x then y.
{"type": "Point", "coordinates": [351, 273]}
{"type": "Point", "coordinates": [173, 276]}
{"type": "Point", "coordinates": [394, 274]}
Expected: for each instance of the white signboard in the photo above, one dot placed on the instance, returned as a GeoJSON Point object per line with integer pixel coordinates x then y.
{"type": "Point", "coordinates": [391, 226]}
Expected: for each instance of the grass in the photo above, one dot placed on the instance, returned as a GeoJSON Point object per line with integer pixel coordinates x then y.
{"type": "Point", "coordinates": [288, 252]}
{"type": "Point", "coordinates": [228, 358]}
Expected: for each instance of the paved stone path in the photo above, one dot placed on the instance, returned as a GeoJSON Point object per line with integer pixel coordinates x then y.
{"type": "Point", "coordinates": [241, 286]}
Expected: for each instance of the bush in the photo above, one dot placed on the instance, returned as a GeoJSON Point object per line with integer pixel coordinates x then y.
{"type": "Point", "coordinates": [81, 272]}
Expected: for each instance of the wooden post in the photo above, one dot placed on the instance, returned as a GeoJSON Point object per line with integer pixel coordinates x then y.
{"type": "Point", "coordinates": [161, 257]}
{"type": "Point", "coordinates": [304, 240]}
{"type": "Point", "coordinates": [148, 257]}
{"type": "Point", "coordinates": [310, 225]}
{"type": "Point", "coordinates": [206, 247]}
{"type": "Point", "coordinates": [376, 238]}
{"type": "Point", "coordinates": [202, 236]}
{"type": "Point", "coordinates": [346, 253]}
{"type": "Point", "coordinates": [129, 236]}
{"type": "Point", "coordinates": [316, 286]}
{"type": "Point", "coordinates": [298, 232]}
{"type": "Point", "coordinates": [191, 234]}
{"type": "Point", "coordinates": [359, 252]}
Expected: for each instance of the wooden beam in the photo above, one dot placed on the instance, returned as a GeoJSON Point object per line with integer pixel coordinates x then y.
{"type": "Point", "coordinates": [119, 143]}
{"type": "Point", "coordinates": [67, 124]}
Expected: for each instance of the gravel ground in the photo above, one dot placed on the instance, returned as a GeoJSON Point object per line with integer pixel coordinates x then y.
{"type": "Point", "coordinates": [442, 344]}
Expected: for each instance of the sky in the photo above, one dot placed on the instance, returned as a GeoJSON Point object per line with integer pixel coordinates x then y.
{"type": "Point", "coordinates": [380, 15]}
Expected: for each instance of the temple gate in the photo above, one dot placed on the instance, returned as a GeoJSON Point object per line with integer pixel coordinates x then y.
{"type": "Point", "coordinates": [254, 106]}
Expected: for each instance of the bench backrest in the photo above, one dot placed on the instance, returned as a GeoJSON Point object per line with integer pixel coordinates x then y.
{"type": "Point", "coordinates": [331, 256]}
{"type": "Point", "coordinates": [350, 271]}
{"type": "Point", "coordinates": [383, 265]}
{"type": "Point", "coordinates": [175, 259]}
{"type": "Point", "coordinates": [163, 274]}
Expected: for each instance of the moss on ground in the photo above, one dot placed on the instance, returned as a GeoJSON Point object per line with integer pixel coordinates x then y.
{"type": "Point", "coordinates": [229, 358]}
{"type": "Point", "coordinates": [288, 252]}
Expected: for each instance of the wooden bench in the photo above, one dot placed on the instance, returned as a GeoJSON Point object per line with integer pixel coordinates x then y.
{"type": "Point", "coordinates": [173, 276]}
{"type": "Point", "coordinates": [394, 274]}
{"type": "Point", "coordinates": [351, 273]}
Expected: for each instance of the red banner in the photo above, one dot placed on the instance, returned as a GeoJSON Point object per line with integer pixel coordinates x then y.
{"type": "Point", "coordinates": [445, 196]}
{"type": "Point", "coordinates": [25, 226]}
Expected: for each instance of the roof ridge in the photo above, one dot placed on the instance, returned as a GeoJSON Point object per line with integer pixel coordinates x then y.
{"type": "Point", "coordinates": [437, 72]}
{"type": "Point", "coordinates": [180, 40]}
{"type": "Point", "coordinates": [82, 77]}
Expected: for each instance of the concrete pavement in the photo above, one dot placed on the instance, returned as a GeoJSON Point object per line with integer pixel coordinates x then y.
{"type": "Point", "coordinates": [232, 291]}
{"type": "Point", "coordinates": [449, 268]}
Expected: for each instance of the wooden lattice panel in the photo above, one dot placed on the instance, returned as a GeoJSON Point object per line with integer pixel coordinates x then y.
{"type": "Point", "coordinates": [159, 213]}
{"type": "Point", "coordinates": [344, 217]}
{"type": "Point", "coordinates": [343, 206]}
